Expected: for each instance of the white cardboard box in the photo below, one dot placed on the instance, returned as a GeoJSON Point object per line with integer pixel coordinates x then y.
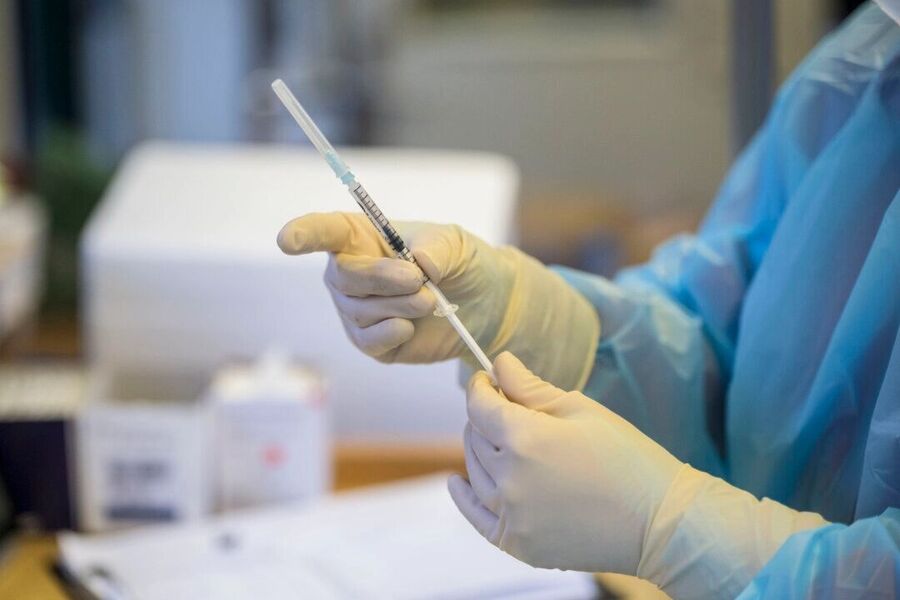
{"type": "Point", "coordinates": [142, 452]}
{"type": "Point", "coordinates": [181, 270]}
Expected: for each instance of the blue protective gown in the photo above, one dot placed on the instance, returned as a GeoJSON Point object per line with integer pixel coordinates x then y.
{"type": "Point", "coordinates": [765, 348]}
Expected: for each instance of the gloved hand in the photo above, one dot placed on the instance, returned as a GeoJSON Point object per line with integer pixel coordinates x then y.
{"type": "Point", "coordinates": [507, 300]}
{"type": "Point", "coordinates": [559, 481]}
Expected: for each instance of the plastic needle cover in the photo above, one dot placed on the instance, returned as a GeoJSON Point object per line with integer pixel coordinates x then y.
{"type": "Point", "coordinates": [444, 308]}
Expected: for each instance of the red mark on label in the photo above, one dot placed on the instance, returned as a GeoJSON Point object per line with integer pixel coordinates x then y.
{"type": "Point", "coordinates": [273, 456]}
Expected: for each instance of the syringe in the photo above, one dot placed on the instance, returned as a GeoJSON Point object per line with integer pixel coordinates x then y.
{"type": "Point", "coordinates": [443, 306]}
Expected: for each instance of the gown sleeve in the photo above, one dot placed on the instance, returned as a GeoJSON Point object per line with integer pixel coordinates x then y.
{"type": "Point", "coordinates": [861, 560]}
{"type": "Point", "coordinates": [668, 327]}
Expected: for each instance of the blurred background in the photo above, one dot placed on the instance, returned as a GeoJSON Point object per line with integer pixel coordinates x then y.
{"type": "Point", "coordinates": [607, 126]}
{"type": "Point", "coordinates": [628, 110]}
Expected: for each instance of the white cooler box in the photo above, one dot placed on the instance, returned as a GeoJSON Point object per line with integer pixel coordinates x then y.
{"type": "Point", "coordinates": [182, 273]}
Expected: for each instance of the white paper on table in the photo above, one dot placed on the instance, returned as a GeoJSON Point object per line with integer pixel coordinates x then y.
{"type": "Point", "coordinates": [403, 541]}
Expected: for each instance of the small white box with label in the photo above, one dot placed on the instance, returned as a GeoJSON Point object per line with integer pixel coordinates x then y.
{"type": "Point", "coordinates": [142, 447]}
{"type": "Point", "coordinates": [271, 432]}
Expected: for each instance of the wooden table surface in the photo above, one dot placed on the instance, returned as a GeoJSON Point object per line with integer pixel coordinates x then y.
{"type": "Point", "coordinates": [25, 567]}
{"type": "Point", "coordinates": [26, 560]}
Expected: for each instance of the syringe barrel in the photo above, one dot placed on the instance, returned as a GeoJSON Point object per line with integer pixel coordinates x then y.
{"type": "Point", "coordinates": [380, 222]}
{"type": "Point", "coordinates": [384, 227]}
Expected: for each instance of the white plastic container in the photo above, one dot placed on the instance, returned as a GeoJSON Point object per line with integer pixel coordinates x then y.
{"type": "Point", "coordinates": [271, 434]}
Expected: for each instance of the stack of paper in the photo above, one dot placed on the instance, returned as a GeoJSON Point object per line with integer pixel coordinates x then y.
{"type": "Point", "coordinates": [404, 541]}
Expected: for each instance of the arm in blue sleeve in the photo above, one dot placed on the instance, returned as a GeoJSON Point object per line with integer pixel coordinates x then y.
{"type": "Point", "coordinates": [669, 326]}
{"type": "Point", "coordinates": [651, 367]}
{"type": "Point", "coordinates": [861, 560]}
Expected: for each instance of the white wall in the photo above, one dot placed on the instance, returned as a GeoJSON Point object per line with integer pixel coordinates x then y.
{"type": "Point", "coordinates": [622, 103]}
{"type": "Point", "coordinates": [625, 103]}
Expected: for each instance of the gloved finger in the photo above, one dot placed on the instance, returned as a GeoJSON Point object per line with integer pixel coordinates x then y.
{"type": "Point", "coordinates": [374, 309]}
{"type": "Point", "coordinates": [380, 338]}
{"type": "Point", "coordinates": [439, 249]}
{"type": "Point", "coordinates": [489, 412]}
{"type": "Point", "coordinates": [481, 481]}
{"type": "Point", "coordinates": [486, 453]}
{"type": "Point", "coordinates": [483, 520]}
{"type": "Point", "coordinates": [362, 276]}
{"type": "Point", "coordinates": [523, 387]}
{"type": "Point", "coordinates": [318, 232]}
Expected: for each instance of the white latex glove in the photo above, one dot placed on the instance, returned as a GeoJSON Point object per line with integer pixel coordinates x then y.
{"type": "Point", "coordinates": [559, 481]}
{"type": "Point", "coordinates": [507, 300]}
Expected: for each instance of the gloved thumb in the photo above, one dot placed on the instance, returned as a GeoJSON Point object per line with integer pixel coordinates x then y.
{"type": "Point", "coordinates": [439, 249]}
{"type": "Point", "coordinates": [317, 232]}
{"type": "Point", "coordinates": [523, 387]}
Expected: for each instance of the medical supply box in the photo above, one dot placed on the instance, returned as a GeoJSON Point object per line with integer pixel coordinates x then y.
{"type": "Point", "coordinates": [181, 272]}
{"type": "Point", "coordinates": [270, 426]}
{"type": "Point", "coordinates": [143, 451]}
